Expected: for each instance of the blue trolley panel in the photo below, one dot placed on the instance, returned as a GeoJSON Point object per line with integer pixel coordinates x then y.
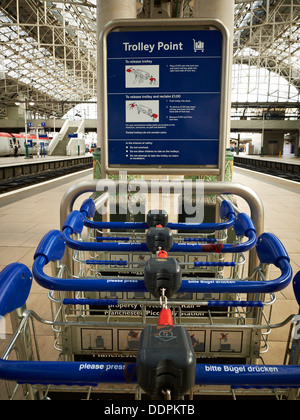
{"type": "Point", "coordinates": [164, 93]}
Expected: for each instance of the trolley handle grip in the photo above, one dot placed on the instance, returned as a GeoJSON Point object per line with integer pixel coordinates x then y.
{"type": "Point", "coordinates": [83, 284]}
{"type": "Point", "coordinates": [137, 285]}
{"type": "Point", "coordinates": [226, 211]}
{"type": "Point", "coordinates": [270, 249]}
{"type": "Point", "coordinates": [243, 226]}
{"type": "Point", "coordinates": [273, 376]}
{"type": "Point", "coordinates": [174, 226]}
{"type": "Point", "coordinates": [52, 248]}
{"type": "Point", "coordinates": [88, 208]}
{"type": "Point", "coordinates": [94, 373]}
{"type": "Point", "coordinates": [74, 222]}
{"type": "Point", "coordinates": [67, 373]}
{"type": "Point", "coordinates": [240, 286]}
{"type": "Point", "coordinates": [14, 277]}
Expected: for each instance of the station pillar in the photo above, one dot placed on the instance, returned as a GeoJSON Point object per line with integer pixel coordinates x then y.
{"type": "Point", "coordinates": [108, 11]}
{"type": "Point", "coordinates": [114, 9]}
{"type": "Point", "coordinates": [217, 9]}
{"type": "Point", "coordinates": [224, 11]}
{"type": "Point", "coordinates": [273, 142]}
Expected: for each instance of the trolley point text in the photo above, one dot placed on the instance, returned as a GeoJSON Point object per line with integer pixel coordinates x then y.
{"type": "Point", "coordinates": [141, 46]}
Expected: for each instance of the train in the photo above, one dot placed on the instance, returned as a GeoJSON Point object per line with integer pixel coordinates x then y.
{"type": "Point", "coordinates": [8, 141]}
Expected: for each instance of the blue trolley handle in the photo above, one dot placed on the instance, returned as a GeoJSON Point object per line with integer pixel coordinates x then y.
{"type": "Point", "coordinates": [226, 211]}
{"type": "Point", "coordinates": [268, 376]}
{"type": "Point", "coordinates": [18, 277]}
{"type": "Point", "coordinates": [94, 373]}
{"type": "Point", "coordinates": [15, 286]}
{"type": "Point", "coordinates": [243, 227]}
{"type": "Point", "coordinates": [270, 251]}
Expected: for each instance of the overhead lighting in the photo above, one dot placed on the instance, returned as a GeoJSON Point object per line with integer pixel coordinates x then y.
{"type": "Point", "coordinates": [31, 103]}
{"type": "Point", "coordinates": [17, 103]}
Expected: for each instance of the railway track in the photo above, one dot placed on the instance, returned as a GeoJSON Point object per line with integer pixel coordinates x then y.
{"type": "Point", "coordinates": [280, 172]}
{"type": "Point", "coordinates": [32, 179]}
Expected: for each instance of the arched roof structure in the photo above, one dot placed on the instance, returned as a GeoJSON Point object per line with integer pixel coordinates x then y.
{"type": "Point", "coordinates": [48, 50]}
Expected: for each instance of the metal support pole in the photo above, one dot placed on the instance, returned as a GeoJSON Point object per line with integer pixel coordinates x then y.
{"type": "Point", "coordinates": [224, 11]}
{"type": "Point", "coordinates": [108, 11]}
{"type": "Point", "coordinates": [23, 345]}
{"type": "Point", "coordinates": [26, 131]}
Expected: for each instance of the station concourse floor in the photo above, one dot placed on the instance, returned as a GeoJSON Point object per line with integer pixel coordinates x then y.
{"type": "Point", "coordinates": [27, 215]}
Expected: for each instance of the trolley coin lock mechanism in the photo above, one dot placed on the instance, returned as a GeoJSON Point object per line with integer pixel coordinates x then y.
{"type": "Point", "coordinates": [158, 238]}
{"type": "Point", "coordinates": [157, 217]}
{"type": "Point", "coordinates": [162, 273]}
{"type": "Point", "coordinates": [166, 362]}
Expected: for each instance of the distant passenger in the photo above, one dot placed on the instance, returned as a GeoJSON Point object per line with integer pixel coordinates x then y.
{"type": "Point", "coordinates": [42, 150]}
{"type": "Point", "coordinates": [15, 150]}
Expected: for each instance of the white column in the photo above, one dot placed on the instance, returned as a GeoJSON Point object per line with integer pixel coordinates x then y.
{"type": "Point", "coordinates": [224, 11]}
{"type": "Point", "coordinates": [217, 9]}
{"type": "Point", "coordinates": [107, 11]}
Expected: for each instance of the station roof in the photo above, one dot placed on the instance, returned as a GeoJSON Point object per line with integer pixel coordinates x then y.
{"type": "Point", "coordinates": [48, 51]}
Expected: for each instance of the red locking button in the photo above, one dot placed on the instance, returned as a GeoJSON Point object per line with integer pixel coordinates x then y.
{"type": "Point", "coordinates": [165, 317]}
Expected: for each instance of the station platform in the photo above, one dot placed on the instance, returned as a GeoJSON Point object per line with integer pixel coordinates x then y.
{"type": "Point", "coordinates": [17, 172]}
{"type": "Point", "coordinates": [12, 166]}
{"type": "Point", "coordinates": [271, 158]}
{"type": "Point", "coordinates": [22, 160]}
{"type": "Point", "coordinates": [284, 167]}
{"type": "Point", "coordinates": [281, 200]}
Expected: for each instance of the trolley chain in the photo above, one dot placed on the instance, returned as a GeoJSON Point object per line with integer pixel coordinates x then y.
{"type": "Point", "coordinates": [163, 300]}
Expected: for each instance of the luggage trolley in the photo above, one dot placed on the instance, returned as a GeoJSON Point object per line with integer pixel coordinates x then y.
{"type": "Point", "coordinates": [203, 254]}
{"type": "Point", "coordinates": [101, 316]}
{"type": "Point", "coordinates": [135, 302]}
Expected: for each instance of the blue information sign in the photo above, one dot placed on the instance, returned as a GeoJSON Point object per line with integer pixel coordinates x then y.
{"type": "Point", "coordinates": [164, 97]}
